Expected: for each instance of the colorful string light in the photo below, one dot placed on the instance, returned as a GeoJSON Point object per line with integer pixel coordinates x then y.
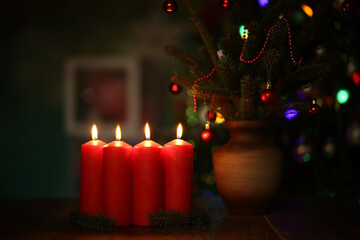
{"type": "Point", "coordinates": [198, 80]}
{"type": "Point", "coordinates": [342, 96]}
{"type": "Point", "coordinates": [244, 33]}
{"type": "Point", "coordinates": [307, 10]}
{"type": "Point", "coordinates": [291, 47]}
{"type": "Point", "coordinates": [263, 3]}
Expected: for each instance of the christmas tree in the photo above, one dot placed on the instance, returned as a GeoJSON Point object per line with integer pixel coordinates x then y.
{"type": "Point", "coordinates": [260, 61]}
{"type": "Point", "coordinates": [274, 59]}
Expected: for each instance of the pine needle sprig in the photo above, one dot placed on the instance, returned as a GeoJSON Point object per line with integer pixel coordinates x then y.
{"type": "Point", "coordinates": [208, 90]}
{"type": "Point", "coordinates": [229, 70]}
{"type": "Point", "coordinates": [174, 218]}
{"type": "Point", "coordinates": [307, 74]}
{"type": "Point", "coordinates": [182, 80]}
{"type": "Point", "coordinates": [186, 59]}
{"type": "Point", "coordinates": [99, 221]}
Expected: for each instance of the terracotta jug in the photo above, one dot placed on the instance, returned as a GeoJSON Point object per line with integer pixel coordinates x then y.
{"type": "Point", "coordinates": [247, 168]}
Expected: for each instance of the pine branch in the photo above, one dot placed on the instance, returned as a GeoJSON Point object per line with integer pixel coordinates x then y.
{"type": "Point", "coordinates": [174, 218]}
{"type": "Point", "coordinates": [231, 43]}
{"type": "Point", "coordinates": [274, 10]}
{"type": "Point", "coordinates": [98, 221]}
{"type": "Point", "coordinates": [188, 60]}
{"type": "Point", "coordinates": [182, 80]}
{"type": "Point", "coordinates": [205, 36]}
{"type": "Point", "coordinates": [204, 56]}
{"type": "Point", "coordinates": [309, 73]}
{"type": "Point", "coordinates": [210, 90]}
{"type": "Point", "coordinates": [225, 106]}
{"type": "Point", "coordinates": [228, 70]}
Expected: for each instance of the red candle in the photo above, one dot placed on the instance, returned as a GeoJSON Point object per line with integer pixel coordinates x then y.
{"type": "Point", "coordinates": [148, 179]}
{"type": "Point", "coordinates": [117, 180]}
{"type": "Point", "coordinates": [91, 175]}
{"type": "Point", "coordinates": [178, 162]}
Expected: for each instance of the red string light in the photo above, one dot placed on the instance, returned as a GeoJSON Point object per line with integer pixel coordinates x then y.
{"type": "Point", "coordinates": [198, 80]}
{"type": "Point", "coordinates": [291, 47]}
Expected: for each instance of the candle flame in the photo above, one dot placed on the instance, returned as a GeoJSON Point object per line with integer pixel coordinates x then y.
{"type": "Point", "coordinates": [118, 133]}
{"type": "Point", "coordinates": [147, 131]}
{"type": "Point", "coordinates": [179, 131]}
{"type": "Point", "coordinates": [94, 133]}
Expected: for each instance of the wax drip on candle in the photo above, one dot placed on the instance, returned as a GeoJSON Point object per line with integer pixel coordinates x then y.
{"type": "Point", "coordinates": [94, 134]}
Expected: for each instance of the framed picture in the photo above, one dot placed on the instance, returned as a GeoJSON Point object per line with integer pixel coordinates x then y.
{"type": "Point", "coordinates": [105, 92]}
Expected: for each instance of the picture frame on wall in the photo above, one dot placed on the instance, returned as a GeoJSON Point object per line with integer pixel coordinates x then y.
{"type": "Point", "coordinates": [104, 91]}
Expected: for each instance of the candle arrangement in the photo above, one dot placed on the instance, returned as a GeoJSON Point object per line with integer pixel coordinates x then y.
{"type": "Point", "coordinates": [130, 183]}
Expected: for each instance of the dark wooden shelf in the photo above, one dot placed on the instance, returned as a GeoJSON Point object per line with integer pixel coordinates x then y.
{"type": "Point", "coordinates": [290, 218]}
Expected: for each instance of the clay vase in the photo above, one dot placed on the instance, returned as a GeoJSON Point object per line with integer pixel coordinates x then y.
{"type": "Point", "coordinates": [248, 168]}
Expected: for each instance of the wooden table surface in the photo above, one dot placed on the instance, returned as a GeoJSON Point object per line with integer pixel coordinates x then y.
{"type": "Point", "coordinates": [290, 218]}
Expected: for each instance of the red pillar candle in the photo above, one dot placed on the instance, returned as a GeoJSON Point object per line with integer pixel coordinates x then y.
{"type": "Point", "coordinates": [91, 175]}
{"type": "Point", "coordinates": [117, 180]}
{"type": "Point", "coordinates": [148, 179]}
{"type": "Point", "coordinates": [178, 162]}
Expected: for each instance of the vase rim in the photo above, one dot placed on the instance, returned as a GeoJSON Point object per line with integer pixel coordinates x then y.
{"type": "Point", "coordinates": [246, 124]}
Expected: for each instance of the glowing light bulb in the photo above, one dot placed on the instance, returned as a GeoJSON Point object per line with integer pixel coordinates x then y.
{"type": "Point", "coordinates": [291, 113]}
{"type": "Point", "coordinates": [342, 96]}
{"type": "Point", "coordinates": [243, 32]}
{"type": "Point", "coordinates": [263, 3]}
{"type": "Point", "coordinates": [356, 78]}
{"type": "Point", "coordinates": [307, 10]}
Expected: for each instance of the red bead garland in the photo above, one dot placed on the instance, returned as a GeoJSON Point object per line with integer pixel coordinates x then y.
{"type": "Point", "coordinates": [291, 47]}
{"type": "Point", "coordinates": [198, 80]}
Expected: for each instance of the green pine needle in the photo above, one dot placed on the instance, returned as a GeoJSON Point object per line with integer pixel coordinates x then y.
{"type": "Point", "coordinates": [99, 221]}
{"type": "Point", "coordinates": [174, 218]}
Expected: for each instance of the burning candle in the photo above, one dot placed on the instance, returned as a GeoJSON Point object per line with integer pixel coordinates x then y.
{"type": "Point", "coordinates": [178, 162]}
{"type": "Point", "coordinates": [148, 179]}
{"type": "Point", "coordinates": [91, 174]}
{"type": "Point", "coordinates": [117, 180]}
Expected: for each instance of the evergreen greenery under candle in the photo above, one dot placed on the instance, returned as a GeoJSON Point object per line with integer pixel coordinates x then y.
{"type": "Point", "coordinates": [174, 218]}
{"type": "Point", "coordinates": [98, 221]}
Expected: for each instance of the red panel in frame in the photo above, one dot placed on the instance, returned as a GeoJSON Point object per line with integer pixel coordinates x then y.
{"type": "Point", "coordinates": [105, 91]}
